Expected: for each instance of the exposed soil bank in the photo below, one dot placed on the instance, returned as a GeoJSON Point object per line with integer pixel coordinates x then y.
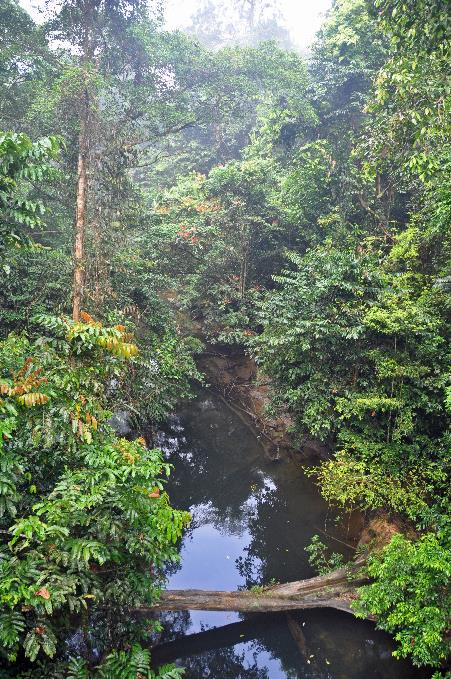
{"type": "Point", "coordinates": [236, 378]}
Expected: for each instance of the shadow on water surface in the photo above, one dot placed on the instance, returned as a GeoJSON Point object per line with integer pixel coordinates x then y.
{"type": "Point", "coordinates": [251, 522]}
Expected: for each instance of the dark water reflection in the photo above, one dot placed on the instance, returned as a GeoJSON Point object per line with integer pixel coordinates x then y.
{"type": "Point", "coordinates": [251, 522]}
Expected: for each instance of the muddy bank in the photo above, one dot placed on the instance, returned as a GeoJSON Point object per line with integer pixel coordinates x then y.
{"type": "Point", "coordinates": [235, 377]}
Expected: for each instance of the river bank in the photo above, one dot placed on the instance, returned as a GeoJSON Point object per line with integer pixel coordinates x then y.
{"type": "Point", "coordinates": [235, 378]}
{"type": "Point", "coordinates": [252, 518]}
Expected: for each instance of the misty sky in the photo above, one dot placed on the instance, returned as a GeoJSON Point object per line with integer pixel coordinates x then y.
{"type": "Point", "coordinates": [303, 17]}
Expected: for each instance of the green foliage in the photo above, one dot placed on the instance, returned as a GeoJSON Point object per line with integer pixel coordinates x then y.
{"type": "Point", "coordinates": [225, 234]}
{"type": "Point", "coordinates": [359, 355]}
{"type": "Point", "coordinates": [355, 333]}
{"type": "Point", "coordinates": [243, 90]}
{"type": "Point", "coordinates": [317, 236]}
{"type": "Point", "coordinates": [84, 512]}
{"type": "Point", "coordinates": [409, 596]}
{"type": "Point", "coordinates": [22, 162]}
{"type": "Point", "coordinates": [20, 296]}
{"type": "Point", "coordinates": [166, 371]}
{"type": "Point", "coordinates": [320, 560]}
{"type": "Point", "coordinates": [306, 189]}
{"type": "Point", "coordinates": [354, 336]}
{"type": "Point", "coordinates": [351, 480]}
{"type": "Point", "coordinates": [130, 664]}
{"type": "Point", "coordinates": [412, 100]}
{"type": "Point", "coordinates": [315, 316]}
{"type": "Point", "coordinates": [348, 52]}
{"type": "Point", "coordinates": [124, 664]}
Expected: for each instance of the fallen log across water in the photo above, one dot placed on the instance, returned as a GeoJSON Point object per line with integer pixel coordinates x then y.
{"type": "Point", "coordinates": [334, 590]}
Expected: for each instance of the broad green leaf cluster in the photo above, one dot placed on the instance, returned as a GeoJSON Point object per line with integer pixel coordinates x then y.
{"type": "Point", "coordinates": [410, 596]}
{"type": "Point", "coordinates": [86, 524]}
{"type": "Point", "coordinates": [22, 163]}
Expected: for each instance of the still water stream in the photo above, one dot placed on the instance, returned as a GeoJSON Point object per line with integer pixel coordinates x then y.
{"type": "Point", "coordinates": [251, 520]}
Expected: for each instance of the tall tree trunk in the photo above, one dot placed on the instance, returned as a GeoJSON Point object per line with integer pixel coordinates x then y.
{"type": "Point", "coordinates": [81, 204]}
{"type": "Point", "coordinates": [80, 217]}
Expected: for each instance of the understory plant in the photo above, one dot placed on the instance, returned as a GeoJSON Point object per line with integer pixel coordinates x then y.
{"type": "Point", "coordinates": [86, 526]}
{"type": "Point", "coordinates": [410, 595]}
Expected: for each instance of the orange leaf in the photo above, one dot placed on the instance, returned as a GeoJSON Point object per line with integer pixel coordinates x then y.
{"type": "Point", "coordinates": [155, 493]}
{"type": "Point", "coordinates": [87, 318]}
{"type": "Point", "coordinates": [44, 592]}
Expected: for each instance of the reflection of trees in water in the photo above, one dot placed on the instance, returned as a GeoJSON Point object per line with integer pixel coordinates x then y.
{"type": "Point", "coordinates": [217, 471]}
{"type": "Point", "coordinates": [277, 641]}
{"type": "Point", "coordinates": [336, 647]}
{"type": "Point", "coordinates": [274, 551]}
{"type": "Point", "coordinates": [219, 663]}
{"type": "Point", "coordinates": [212, 455]}
{"type": "Point", "coordinates": [254, 567]}
{"type": "Point", "coordinates": [224, 663]}
{"type": "Point", "coordinates": [204, 654]}
{"type": "Point", "coordinates": [175, 625]}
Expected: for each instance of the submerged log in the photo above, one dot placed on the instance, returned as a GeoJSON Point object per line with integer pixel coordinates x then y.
{"type": "Point", "coordinates": [334, 590]}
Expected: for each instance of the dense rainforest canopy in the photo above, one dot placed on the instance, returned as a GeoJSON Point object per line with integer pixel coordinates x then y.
{"type": "Point", "coordinates": [296, 208]}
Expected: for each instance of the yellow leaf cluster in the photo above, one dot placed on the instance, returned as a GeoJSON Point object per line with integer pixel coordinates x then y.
{"type": "Point", "coordinates": [83, 429]}
{"type": "Point", "coordinates": [32, 399]}
{"type": "Point", "coordinates": [24, 386]}
{"type": "Point", "coordinates": [126, 450]}
{"type": "Point", "coordinates": [117, 347]}
{"type": "Point", "coordinates": [91, 420]}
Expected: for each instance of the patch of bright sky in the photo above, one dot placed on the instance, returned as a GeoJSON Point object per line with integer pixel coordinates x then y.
{"type": "Point", "coordinates": [303, 17]}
